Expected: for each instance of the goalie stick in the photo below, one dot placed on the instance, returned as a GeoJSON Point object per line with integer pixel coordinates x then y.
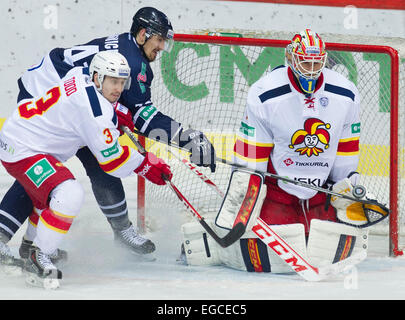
{"type": "Point", "coordinates": [276, 243]}
{"type": "Point", "coordinates": [358, 190]}
{"type": "Point", "coordinates": [232, 236]}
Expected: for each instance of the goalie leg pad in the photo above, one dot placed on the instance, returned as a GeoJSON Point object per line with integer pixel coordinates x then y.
{"type": "Point", "coordinates": [202, 250]}
{"type": "Point", "coordinates": [331, 242]}
{"type": "Point", "coordinates": [252, 255]}
{"type": "Point", "coordinates": [199, 247]}
{"type": "Point", "coordinates": [293, 234]}
{"type": "Point", "coordinates": [249, 254]}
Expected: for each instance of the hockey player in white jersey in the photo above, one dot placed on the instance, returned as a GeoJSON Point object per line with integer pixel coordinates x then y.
{"type": "Point", "coordinates": [47, 130]}
{"type": "Point", "coordinates": [151, 32]}
{"type": "Point", "coordinates": [301, 121]}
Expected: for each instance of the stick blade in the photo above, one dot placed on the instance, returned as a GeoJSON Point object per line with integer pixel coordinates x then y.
{"type": "Point", "coordinates": [234, 235]}
{"type": "Point", "coordinates": [231, 237]}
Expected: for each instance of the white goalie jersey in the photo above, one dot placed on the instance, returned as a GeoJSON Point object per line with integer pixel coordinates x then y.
{"type": "Point", "coordinates": [68, 116]}
{"type": "Point", "coordinates": [306, 138]}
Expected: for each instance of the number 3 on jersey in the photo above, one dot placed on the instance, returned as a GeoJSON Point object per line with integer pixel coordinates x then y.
{"type": "Point", "coordinates": [109, 136]}
{"type": "Point", "coordinates": [29, 109]}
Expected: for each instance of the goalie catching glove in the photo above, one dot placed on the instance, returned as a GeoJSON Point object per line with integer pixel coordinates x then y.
{"type": "Point", "coordinates": [201, 149]}
{"type": "Point", "coordinates": [355, 213]}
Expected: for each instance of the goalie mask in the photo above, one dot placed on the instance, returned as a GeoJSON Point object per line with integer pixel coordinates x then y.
{"type": "Point", "coordinates": [156, 23]}
{"type": "Point", "coordinates": [306, 57]}
{"type": "Point", "coordinates": [110, 63]}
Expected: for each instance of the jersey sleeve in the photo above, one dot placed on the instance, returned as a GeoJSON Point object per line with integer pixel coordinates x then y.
{"type": "Point", "coordinates": [254, 140]}
{"type": "Point", "coordinates": [347, 156]}
{"type": "Point", "coordinates": [100, 134]}
{"type": "Point", "coordinates": [154, 124]}
{"type": "Point", "coordinates": [146, 116]}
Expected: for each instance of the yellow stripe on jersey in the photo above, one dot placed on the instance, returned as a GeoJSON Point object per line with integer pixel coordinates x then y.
{"type": "Point", "coordinates": [118, 162]}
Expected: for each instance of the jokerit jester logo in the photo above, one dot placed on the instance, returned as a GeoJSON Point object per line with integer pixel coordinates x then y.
{"type": "Point", "coordinates": [315, 131]}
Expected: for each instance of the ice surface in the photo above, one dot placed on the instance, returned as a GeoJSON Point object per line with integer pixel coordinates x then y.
{"type": "Point", "coordinates": [97, 270]}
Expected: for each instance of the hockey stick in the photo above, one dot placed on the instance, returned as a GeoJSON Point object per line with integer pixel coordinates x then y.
{"type": "Point", "coordinates": [197, 172]}
{"type": "Point", "coordinates": [300, 265]}
{"type": "Point", "coordinates": [358, 191]}
{"type": "Point", "coordinates": [232, 236]}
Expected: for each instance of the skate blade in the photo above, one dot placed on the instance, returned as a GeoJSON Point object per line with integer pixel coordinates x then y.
{"type": "Point", "coordinates": [50, 281]}
{"type": "Point", "coordinates": [46, 283]}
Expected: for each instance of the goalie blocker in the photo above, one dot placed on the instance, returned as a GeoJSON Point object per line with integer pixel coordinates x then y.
{"type": "Point", "coordinates": [328, 242]}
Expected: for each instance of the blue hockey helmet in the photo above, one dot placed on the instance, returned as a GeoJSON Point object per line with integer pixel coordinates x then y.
{"type": "Point", "coordinates": [155, 22]}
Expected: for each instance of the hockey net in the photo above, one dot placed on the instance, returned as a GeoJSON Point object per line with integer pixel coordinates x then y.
{"type": "Point", "coordinates": [203, 83]}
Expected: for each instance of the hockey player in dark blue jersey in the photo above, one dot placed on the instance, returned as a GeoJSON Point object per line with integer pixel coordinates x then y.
{"type": "Point", "coordinates": [151, 32]}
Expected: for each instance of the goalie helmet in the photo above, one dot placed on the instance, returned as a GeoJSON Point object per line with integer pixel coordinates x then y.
{"type": "Point", "coordinates": [307, 58]}
{"type": "Point", "coordinates": [110, 63]}
{"type": "Point", "coordinates": [155, 22]}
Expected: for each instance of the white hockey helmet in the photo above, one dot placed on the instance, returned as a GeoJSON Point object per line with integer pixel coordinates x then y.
{"type": "Point", "coordinates": [110, 63]}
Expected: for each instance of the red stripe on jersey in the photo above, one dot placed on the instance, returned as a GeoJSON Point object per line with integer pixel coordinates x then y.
{"type": "Point", "coordinates": [34, 217]}
{"type": "Point", "coordinates": [348, 146]}
{"type": "Point", "coordinates": [116, 163]}
{"type": "Point", "coordinates": [251, 151]}
{"type": "Point", "coordinates": [55, 222]}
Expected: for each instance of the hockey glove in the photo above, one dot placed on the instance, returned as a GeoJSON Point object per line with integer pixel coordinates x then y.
{"type": "Point", "coordinates": [354, 213]}
{"type": "Point", "coordinates": [124, 117]}
{"type": "Point", "coordinates": [201, 149]}
{"type": "Point", "coordinates": [154, 169]}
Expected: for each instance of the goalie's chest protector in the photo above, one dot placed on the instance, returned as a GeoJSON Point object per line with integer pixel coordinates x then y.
{"type": "Point", "coordinates": [304, 131]}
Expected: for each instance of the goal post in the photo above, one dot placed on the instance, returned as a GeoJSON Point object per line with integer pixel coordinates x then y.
{"type": "Point", "coordinates": [203, 83]}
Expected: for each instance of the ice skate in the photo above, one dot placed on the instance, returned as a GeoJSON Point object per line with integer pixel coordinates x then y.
{"type": "Point", "coordinates": [58, 256]}
{"type": "Point", "coordinates": [40, 271]}
{"type": "Point", "coordinates": [131, 240]}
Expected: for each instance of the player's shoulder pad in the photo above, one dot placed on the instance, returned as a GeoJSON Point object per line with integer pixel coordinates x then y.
{"type": "Point", "coordinates": [273, 85]}
{"type": "Point", "coordinates": [339, 85]}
